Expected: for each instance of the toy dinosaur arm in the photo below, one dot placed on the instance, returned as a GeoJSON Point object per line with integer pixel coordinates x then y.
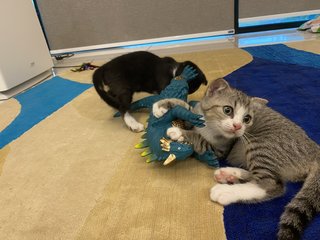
{"type": "Point", "coordinates": [186, 115]}
{"type": "Point", "coordinates": [176, 109]}
{"type": "Point", "coordinates": [179, 112]}
{"type": "Point", "coordinates": [193, 103]}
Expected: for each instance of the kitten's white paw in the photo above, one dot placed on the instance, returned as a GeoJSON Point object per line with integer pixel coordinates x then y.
{"type": "Point", "coordinates": [132, 124]}
{"type": "Point", "coordinates": [227, 175]}
{"type": "Point", "coordinates": [175, 134]}
{"type": "Point", "coordinates": [223, 194]}
{"type": "Point", "coordinates": [158, 111]}
{"type": "Point", "coordinates": [137, 127]}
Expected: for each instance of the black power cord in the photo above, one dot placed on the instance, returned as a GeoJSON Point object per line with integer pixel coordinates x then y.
{"type": "Point", "coordinates": [80, 68]}
{"type": "Point", "coordinates": [63, 56]}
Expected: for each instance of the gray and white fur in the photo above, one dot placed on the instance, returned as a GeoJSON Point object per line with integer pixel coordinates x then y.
{"type": "Point", "coordinates": [265, 149]}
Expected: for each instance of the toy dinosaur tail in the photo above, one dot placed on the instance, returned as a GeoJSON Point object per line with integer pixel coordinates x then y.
{"type": "Point", "coordinates": [98, 82]}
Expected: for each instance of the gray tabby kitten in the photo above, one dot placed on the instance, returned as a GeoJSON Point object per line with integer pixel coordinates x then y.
{"type": "Point", "coordinates": [265, 148]}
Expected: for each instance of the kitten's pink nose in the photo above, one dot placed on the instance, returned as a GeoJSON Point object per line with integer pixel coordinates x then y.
{"type": "Point", "coordinates": [237, 126]}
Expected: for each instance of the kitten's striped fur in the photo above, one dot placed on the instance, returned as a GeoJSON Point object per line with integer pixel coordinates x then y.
{"type": "Point", "coordinates": [271, 148]}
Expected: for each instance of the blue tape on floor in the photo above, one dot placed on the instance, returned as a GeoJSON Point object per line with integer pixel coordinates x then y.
{"type": "Point", "coordinates": [38, 103]}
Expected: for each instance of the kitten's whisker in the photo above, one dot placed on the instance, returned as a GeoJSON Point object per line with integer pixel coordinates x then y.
{"type": "Point", "coordinates": [243, 141]}
{"type": "Point", "coordinates": [250, 135]}
{"type": "Point", "coordinates": [246, 137]}
{"type": "Point", "coordinates": [253, 137]}
{"type": "Point", "coordinates": [246, 141]}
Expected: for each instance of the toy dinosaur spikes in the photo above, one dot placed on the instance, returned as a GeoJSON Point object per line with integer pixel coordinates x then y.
{"type": "Point", "coordinates": [152, 158]}
{"type": "Point", "coordinates": [160, 148]}
{"type": "Point", "coordinates": [144, 136]}
{"type": "Point", "coordinates": [170, 159]}
{"type": "Point", "coordinates": [143, 144]}
{"type": "Point", "coordinates": [146, 152]}
{"type": "Point", "coordinates": [165, 144]}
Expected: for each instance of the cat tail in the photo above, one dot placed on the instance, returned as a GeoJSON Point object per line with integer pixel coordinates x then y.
{"type": "Point", "coordinates": [302, 208]}
{"type": "Point", "coordinates": [97, 79]}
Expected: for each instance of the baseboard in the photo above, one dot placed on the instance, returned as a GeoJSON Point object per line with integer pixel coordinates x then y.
{"type": "Point", "coordinates": [141, 42]}
{"type": "Point", "coordinates": [161, 49]}
{"type": "Point", "coordinates": [262, 20]}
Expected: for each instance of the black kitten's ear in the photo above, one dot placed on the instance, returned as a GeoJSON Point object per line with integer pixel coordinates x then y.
{"type": "Point", "coordinates": [258, 102]}
{"type": "Point", "coordinates": [216, 86]}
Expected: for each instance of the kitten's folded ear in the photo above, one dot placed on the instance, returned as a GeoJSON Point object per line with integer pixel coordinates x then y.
{"type": "Point", "coordinates": [216, 86]}
{"type": "Point", "coordinates": [259, 102]}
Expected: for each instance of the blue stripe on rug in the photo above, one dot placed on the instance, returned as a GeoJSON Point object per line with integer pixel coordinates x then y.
{"type": "Point", "coordinates": [293, 90]}
{"type": "Point", "coordinates": [38, 103]}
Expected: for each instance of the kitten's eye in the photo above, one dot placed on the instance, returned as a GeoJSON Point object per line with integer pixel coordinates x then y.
{"type": "Point", "coordinates": [228, 110]}
{"type": "Point", "coordinates": [247, 119]}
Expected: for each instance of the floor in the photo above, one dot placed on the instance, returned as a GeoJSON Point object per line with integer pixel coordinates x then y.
{"type": "Point", "coordinates": [83, 183]}
{"type": "Point", "coordinates": [202, 44]}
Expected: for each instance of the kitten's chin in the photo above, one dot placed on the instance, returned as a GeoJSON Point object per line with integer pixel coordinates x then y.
{"type": "Point", "coordinates": [230, 135]}
{"type": "Point", "coordinates": [239, 135]}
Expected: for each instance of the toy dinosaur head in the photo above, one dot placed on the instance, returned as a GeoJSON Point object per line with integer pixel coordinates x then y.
{"type": "Point", "coordinates": [176, 150]}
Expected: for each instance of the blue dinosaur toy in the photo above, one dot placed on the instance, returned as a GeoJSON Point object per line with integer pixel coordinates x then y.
{"type": "Point", "coordinates": [159, 146]}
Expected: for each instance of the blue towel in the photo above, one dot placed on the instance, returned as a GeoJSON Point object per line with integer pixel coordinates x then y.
{"type": "Point", "coordinates": [290, 80]}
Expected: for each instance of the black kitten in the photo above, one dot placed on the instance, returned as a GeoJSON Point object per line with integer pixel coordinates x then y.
{"type": "Point", "coordinates": [117, 80]}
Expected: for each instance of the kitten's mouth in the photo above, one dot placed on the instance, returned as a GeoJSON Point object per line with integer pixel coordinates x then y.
{"type": "Point", "coordinates": [233, 133]}
{"type": "Point", "coordinates": [229, 133]}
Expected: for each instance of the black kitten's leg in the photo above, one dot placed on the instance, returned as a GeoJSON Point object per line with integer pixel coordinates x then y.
{"type": "Point", "coordinates": [110, 98]}
{"type": "Point", "coordinates": [125, 100]}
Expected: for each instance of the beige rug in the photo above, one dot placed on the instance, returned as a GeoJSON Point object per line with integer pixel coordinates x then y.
{"type": "Point", "coordinates": [76, 174]}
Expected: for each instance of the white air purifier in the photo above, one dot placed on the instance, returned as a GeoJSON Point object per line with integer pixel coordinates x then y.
{"type": "Point", "coordinates": [24, 55]}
